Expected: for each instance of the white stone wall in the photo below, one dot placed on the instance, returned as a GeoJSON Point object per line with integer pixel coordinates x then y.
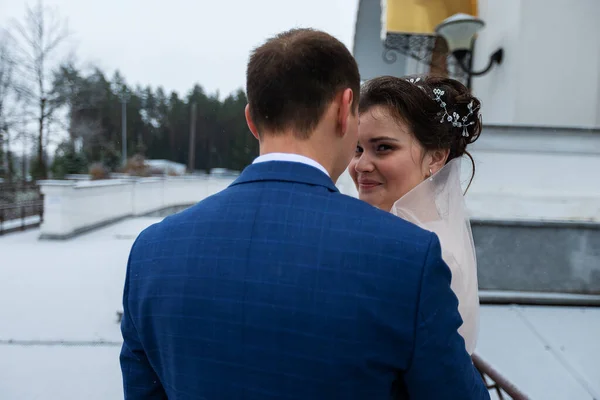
{"type": "Point", "coordinates": [521, 174]}
{"type": "Point", "coordinates": [533, 174]}
{"type": "Point", "coordinates": [70, 206]}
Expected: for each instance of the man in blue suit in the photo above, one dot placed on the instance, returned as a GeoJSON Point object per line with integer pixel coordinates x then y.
{"type": "Point", "coordinates": [280, 287]}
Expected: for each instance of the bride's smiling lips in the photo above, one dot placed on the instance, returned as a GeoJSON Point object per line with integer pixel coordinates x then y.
{"type": "Point", "coordinates": [367, 184]}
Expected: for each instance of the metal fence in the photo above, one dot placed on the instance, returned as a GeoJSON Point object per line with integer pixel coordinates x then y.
{"type": "Point", "coordinates": [496, 382]}
{"type": "Point", "coordinates": [21, 206]}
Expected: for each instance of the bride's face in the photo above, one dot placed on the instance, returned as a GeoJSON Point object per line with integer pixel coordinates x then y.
{"type": "Point", "coordinates": [388, 162]}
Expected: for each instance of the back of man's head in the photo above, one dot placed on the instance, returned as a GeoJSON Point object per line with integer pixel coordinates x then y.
{"type": "Point", "coordinates": [294, 76]}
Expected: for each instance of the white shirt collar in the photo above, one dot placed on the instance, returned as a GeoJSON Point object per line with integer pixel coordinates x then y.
{"type": "Point", "coordinates": [291, 158]}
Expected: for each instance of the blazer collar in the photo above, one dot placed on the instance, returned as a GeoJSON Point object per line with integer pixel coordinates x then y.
{"type": "Point", "coordinates": [285, 171]}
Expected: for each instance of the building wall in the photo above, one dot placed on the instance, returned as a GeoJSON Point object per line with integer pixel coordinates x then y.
{"type": "Point", "coordinates": [497, 89]}
{"type": "Point", "coordinates": [550, 75]}
{"type": "Point", "coordinates": [531, 161]}
{"type": "Point", "coordinates": [368, 46]}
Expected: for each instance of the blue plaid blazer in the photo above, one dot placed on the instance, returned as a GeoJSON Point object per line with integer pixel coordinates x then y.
{"type": "Point", "coordinates": [280, 287]}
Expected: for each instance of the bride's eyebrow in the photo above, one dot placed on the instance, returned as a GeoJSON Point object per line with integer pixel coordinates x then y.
{"type": "Point", "coordinates": [383, 138]}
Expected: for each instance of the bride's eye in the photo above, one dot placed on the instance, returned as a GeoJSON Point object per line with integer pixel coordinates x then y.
{"type": "Point", "coordinates": [384, 147]}
{"type": "Point", "coordinates": [358, 150]}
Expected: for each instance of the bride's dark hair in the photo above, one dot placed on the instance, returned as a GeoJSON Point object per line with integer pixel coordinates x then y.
{"type": "Point", "coordinates": [412, 100]}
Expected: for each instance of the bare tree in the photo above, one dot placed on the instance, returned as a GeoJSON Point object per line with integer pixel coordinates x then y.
{"type": "Point", "coordinates": [39, 37]}
{"type": "Point", "coordinates": [10, 101]}
{"type": "Point", "coordinates": [6, 71]}
{"type": "Point", "coordinates": [6, 67]}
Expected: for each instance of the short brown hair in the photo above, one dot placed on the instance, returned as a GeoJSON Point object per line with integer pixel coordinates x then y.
{"type": "Point", "coordinates": [294, 76]}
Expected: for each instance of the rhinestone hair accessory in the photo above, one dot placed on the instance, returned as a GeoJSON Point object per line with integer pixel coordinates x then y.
{"type": "Point", "coordinates": [455, 119]}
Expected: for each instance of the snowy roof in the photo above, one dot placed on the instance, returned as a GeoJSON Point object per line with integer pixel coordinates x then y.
{"type": "Point", "coordinates": [59, 337]}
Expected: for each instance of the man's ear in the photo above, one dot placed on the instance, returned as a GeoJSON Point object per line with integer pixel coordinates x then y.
{"type": "Point", "coordinates": [345, 110]}
{"type": "Point", "coordinates": [250, 123]}
{"type": "Point", "coordinates": [438, 159]}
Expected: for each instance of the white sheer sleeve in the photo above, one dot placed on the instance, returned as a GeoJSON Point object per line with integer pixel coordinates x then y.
{"type": "Point", "coordinates": [438, 205]}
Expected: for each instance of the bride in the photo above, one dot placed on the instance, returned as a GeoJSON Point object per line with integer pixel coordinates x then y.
{"type": "Point", "coordinates": [413, 134]}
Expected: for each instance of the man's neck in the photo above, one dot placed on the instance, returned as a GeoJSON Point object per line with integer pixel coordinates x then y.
{"type": "Point", "coordinates": [294, 146]}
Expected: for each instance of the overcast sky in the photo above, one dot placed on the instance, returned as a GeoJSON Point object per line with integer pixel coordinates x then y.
{"type": "Point", "coordinates": [176, 43]}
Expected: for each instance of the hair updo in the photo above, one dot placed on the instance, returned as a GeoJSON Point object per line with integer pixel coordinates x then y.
{"type": "Point", "coordinates": [412, 100]}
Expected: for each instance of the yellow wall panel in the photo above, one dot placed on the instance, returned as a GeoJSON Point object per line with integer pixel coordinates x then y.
{"type": "Point", "coordinates": [422, 16]}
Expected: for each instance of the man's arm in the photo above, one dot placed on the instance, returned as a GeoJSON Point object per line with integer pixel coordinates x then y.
{"type": "Point", "coordinates": [139, 378]}
{"type": "Point", "coordinates": [440, 366]}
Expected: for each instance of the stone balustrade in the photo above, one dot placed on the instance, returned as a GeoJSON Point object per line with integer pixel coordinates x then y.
{"type": "Point", "coordinates": [73, 207]}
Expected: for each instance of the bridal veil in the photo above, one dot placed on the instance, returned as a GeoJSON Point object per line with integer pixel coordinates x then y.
{"type": "Point", "coordinates": [437, 204]}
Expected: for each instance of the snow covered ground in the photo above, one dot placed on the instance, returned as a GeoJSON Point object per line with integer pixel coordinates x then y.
{"type": "Point", "coordinates": [59, 336]}
{"type": "Point", "coordinates": [58, 304]}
